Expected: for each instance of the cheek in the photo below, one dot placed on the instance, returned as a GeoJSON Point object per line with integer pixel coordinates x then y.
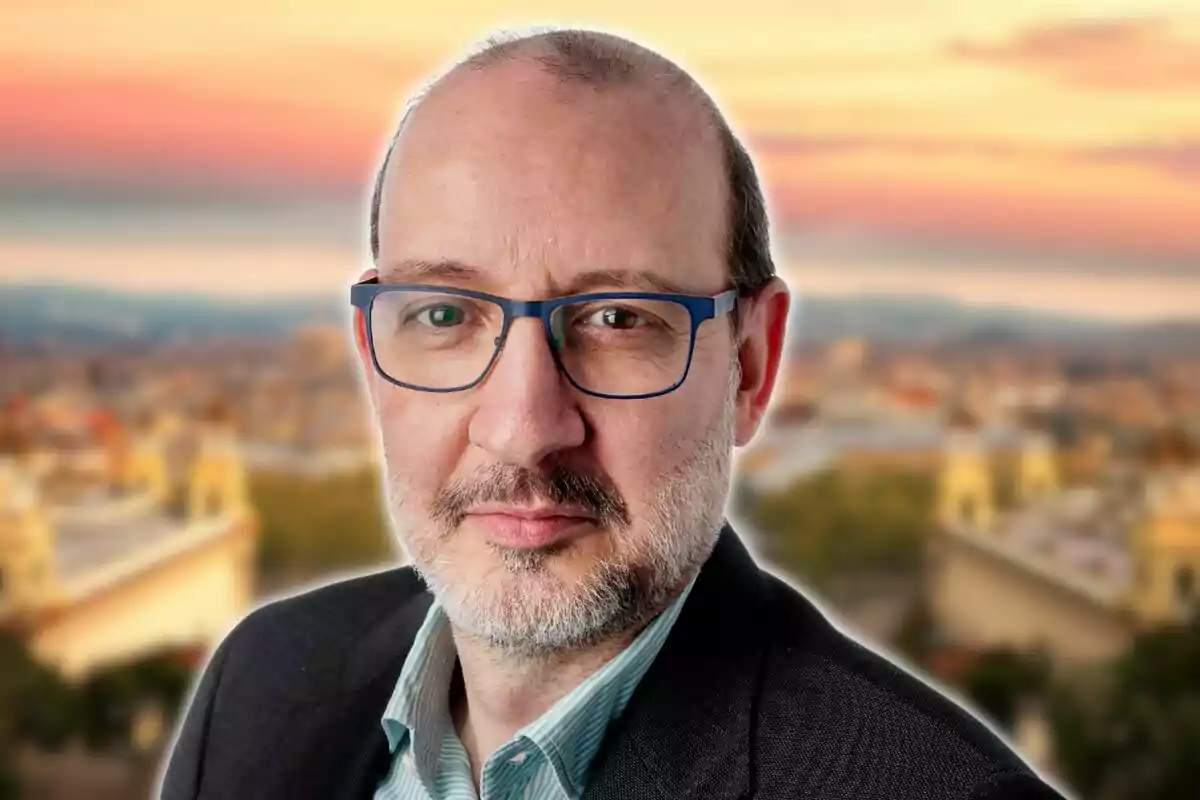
{"type": "Point", "coordinates": [422, 440]}
{"type": "Point", "coordinates": [641, 441]}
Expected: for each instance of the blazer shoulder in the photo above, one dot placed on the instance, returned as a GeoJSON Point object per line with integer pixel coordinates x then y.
{"type": "Point", "coordinates": [315, 647]}
{"type": "Point", "coordinates": [348, 603]}
{"type": "Point", "coordinates": [319, 623]}
{"type": "Point", "coordinates": [864, 708]}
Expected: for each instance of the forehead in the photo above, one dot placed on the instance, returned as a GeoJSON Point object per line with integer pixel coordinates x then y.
{"type": "Point", "coordinates": [529, 183]}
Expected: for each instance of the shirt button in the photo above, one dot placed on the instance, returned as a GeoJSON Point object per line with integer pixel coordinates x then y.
{"type": "Point", "coordinates": [519, 758]}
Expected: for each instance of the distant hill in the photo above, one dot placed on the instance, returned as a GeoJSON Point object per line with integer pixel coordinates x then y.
{"type": "Point", "coordinates": [934, 319]}
{"type": "Point", "coordinates": [75, 314]}
{"type": "Point", "coordinates": [84, 315]}
{"type": "Point", "coordinates": [937, 321]}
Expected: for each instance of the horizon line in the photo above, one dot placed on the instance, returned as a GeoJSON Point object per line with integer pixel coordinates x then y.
{"type": "Point", "coordinates": [314, 294]}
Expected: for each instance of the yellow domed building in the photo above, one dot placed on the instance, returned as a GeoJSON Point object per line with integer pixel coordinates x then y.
{"type": "Point", "coordinates": [1075, 571]}
{"type": "Point", "coordinates": [133, 560]}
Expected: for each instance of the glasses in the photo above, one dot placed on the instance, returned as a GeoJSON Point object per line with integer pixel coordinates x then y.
{"type": "Point", "coordinates": [620, 345]}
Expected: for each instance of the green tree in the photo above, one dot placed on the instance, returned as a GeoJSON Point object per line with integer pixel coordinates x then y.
{"type": "Point", "coordinates": [314, 526]}
{"type": "Point", "coordinates": [13, 661]}
{"type": "Point", "coordinates": [915, 638]}
{"type": "Point", "coordinates": [1133, 731]}
{"type": "Point", "coordinates": [111, 697]}
{"type": "Point", "coordinates": [998, 679]}
{"type": "Point", "coordinates": [35, 704]}
{"type": "Point", "coordinates": [39, 709]}
{"type": "Point", "coordinates": [36, 707]}
{"type": "Point", "coordinates": [835, 524]}
{"type": "Point", "coordinates": [10, 786]}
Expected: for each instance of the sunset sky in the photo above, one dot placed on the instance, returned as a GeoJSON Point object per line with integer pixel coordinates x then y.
{"type": "Point", "coordinates": [1044, 154]}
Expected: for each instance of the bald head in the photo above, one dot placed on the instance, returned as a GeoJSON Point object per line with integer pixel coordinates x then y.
{"type": "Point", "coordinates": [616, 90]}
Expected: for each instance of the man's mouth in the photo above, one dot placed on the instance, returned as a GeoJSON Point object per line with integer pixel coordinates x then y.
{"type": "Point", "coordinates": [528, 526]}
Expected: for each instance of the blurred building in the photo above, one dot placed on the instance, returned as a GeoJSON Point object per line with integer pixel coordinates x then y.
{"type": "Point", "coordinates": [1075, 571]}
{"type": "Point", "coordinates": [913, 442]}
{"type": "Point", "coordinates": [106, 555]}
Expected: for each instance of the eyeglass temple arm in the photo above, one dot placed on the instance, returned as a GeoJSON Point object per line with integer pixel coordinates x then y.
{"type": "Point", "coordinates": [724, 302]}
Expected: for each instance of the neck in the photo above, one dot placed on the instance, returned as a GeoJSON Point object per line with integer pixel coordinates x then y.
{"type": "Point", "coordinates": [500, 693]}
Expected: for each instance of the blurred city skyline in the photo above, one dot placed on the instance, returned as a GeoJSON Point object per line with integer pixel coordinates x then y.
{"type": "Point", "coordinates": [1036, 154]}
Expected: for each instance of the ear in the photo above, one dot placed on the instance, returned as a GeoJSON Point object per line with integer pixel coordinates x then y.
{"type": "Point", "coordinates": [361, 345]}
{"type": "Point", "coordinates": [760, 353]}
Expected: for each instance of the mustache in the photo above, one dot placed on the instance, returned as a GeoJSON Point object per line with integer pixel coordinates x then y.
{"type": "Point", "coordinates": [559, 485]}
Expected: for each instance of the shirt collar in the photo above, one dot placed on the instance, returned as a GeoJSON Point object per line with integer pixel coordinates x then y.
{"type": "Point", "coordinates": [419, 707]}
{"type": "Point", "coordinates": [566, 734]}
{"type": "Point", "coordinates": [570, 732]}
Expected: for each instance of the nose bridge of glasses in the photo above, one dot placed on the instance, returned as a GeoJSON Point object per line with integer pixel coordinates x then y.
{"type": "Point", "coordinates": [529, 358]}
{"type": "Point", "coordinates": [540, 310]}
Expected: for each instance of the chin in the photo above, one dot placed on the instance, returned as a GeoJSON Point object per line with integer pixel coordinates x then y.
{"type": "Point", "coordinates": [501, 605]}
{"type": "Point", "coordinates": [492, 577]}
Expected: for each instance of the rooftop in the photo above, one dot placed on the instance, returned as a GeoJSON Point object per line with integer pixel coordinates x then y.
{"type": "Point", "coordinates": [99, 533]}
{"type": "Point", "coordinates": [1078, 539]}
{"type": "Point", "coordinates": [104, 539]}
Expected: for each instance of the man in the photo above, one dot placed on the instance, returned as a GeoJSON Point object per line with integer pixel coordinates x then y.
{"type": "Point", "coordinates": [572, 321]}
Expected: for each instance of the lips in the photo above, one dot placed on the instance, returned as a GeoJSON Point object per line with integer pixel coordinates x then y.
{"type": "Point", "coordinates": [528, 512]}
{"type": "Point", "coordinates": [529, 527]}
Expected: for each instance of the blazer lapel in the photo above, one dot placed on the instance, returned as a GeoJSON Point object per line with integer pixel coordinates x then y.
{"type": "Point", "coordinates": [343, 752]}
{"type": "Point", "coordinates": [686, 730]}
{"type": "Point", "coordinates": [341, 748]}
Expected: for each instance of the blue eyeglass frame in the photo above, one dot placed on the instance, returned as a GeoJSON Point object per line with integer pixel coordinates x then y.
{"type": "Point", "coordinates": [700, 308]}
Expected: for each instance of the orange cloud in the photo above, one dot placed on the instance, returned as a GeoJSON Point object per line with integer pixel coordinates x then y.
{"type": "Point", "coordinates": [1178, 159]}
{"type": "Point", "coordinates": [243, 128]}
{"type": "Point", "coordinates": [131, 129]}
{"type": "Point", "coordinates": [1041, 200]}
{"type": "Point", "coordinates": [1122, 55]}
{"type": "Point", "coordinates": [1181, 158]}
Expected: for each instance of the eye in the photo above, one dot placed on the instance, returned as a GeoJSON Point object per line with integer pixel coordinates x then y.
{"type": "Point", "coordinates": [440, 315]}
{"type": "Point", "coordinates": [615, 317]}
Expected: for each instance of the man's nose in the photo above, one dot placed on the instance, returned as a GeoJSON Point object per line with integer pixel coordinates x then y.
{"type": "Point", "coordinates": [527, 408]}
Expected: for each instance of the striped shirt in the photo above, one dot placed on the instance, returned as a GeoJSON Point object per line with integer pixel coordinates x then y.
{"type": "Point", "coordinates": [549, 759]}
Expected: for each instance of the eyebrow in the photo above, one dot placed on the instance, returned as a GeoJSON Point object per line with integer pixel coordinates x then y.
{"type": "Point", "coordinates": [625, 279]}
{"type": "Point", "coordinates": [419, 270]}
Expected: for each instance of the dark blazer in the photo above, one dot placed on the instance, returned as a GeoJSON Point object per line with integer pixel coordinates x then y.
{"type": "Point", "coordinates": [754, 694]}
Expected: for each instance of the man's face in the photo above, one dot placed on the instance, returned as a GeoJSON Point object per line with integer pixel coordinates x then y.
{"type": "Point", "coordinates": [529, 188]}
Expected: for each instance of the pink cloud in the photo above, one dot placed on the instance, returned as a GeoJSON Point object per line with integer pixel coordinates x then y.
{"type": "Point", "coordinates": [104, 130]}
{"type": "Point", "coordinates": [1177, 159]}
{"type": "Point", "coordinates": [1057, 221]}
{"type": "Point", "coordinates": [1120, 55]}
{"type": "Point", "coordinates": [1180, 158]}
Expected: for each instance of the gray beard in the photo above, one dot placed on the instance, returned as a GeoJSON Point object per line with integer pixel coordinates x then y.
{"type": "Point", "coordinates": [619, 593]}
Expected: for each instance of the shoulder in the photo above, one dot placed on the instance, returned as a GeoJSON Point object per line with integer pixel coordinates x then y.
{"type": "Point", "coordinates": [337, 609]}
{"type": "Point", "coordinates": [292, 652]}
{"type": "Point", "coordinates": [332, 612]}
{"type": "Point", "coordinates": [833, 710]}
{"type": "Point", "coordinates": [299, 638]}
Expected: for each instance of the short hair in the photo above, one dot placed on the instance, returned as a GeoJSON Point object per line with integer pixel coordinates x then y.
{"type": "Point", "coordinates": [602, 60]}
